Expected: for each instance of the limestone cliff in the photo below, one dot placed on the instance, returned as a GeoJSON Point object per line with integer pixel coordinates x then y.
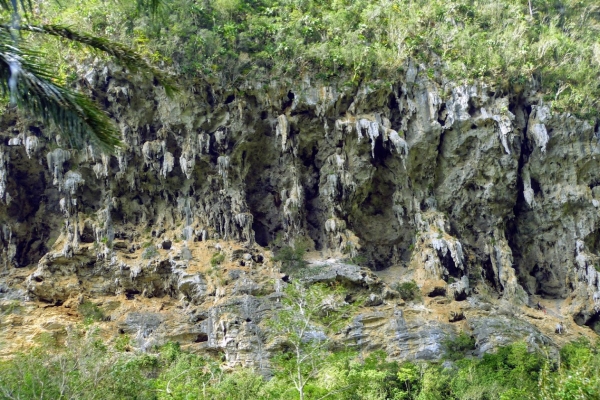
{"type": "Point", "coordinates": [489, 202]}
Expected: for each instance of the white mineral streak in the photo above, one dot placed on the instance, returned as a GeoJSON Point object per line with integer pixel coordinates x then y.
{"type": "Point", "coordinates": [204, 143]}
{"type": "Point", "coordinates": [63, 205]}
{"type": "Point", "coordinates": [503, 118]}
{"type": "Point", "coordinates": [528, 192]}
{"type": "Point", "coordinates": [372, 131]}
{"type": "Point", "coordinates": [399, 143]}
{"type": "Point", "coordinates": [292, 200]}
{"type": "Point", "coordinates": [72, 181]}
{"type": "Point", "coordinates": [101, 168]}
{"type": "Point", "coordinates": [184, 207]}
{"type": "Point", "coordinates": [244, 221]}
{"type": "Point", "coordinates": [586, 271]}
{"type": "Point", "coordinates": [31, 145]}
{"type": "Point", "coordinates": [56, 159]}
{"type": "Point", "coordinates": [168, 163]}
{"type": "Point", "coordinates": [283, 130]}
{"type": "Point", "coordinates": [221, 138]}
{"type": "Point", "coordinates": [122, 160]}
{"type": "Point", "coordinates": [458, 105]}
{"type": "Point", "coordinates": [537, 128]}
{"type": "Point", "coordinates": [153, 150]}
{"type": "Point", "coordinates": [3, 172]}
{"type": "Point", "coordinates": [335, 225]}
{"type": "Point", "coordinates": [223, 165]}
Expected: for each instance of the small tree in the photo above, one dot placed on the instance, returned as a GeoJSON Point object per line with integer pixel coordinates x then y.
{"type": "Point", "coordinates": [308, 316]}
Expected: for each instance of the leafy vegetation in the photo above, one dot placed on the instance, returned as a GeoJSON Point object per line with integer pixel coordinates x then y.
{"type": "Point", "coordinates": [149, 252]}
{"type": "Point", "coordinates": [84, 367]}
{"type": "Point", "coordinates": [291, 257]}
{"type": "Point", "coordinates": [217, 259]}
{"type": "Point", "coordinates": [552, 45]}
{"type": "Point", "coordinates": [90, 311]}
{"type": "Point", "coordinates": [28, 81]}
{"type": "Point", "coordinates": [456, 348]}
{"type": "Point", "coordinates": [409, 290]}
{"type": "Point", "coordinates": [307, 317]}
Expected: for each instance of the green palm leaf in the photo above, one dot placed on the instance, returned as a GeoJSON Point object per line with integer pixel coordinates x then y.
{"type": "Point", "coordinates": [27, 81]}
{"type": "Point", "coordinates": [121, 53]}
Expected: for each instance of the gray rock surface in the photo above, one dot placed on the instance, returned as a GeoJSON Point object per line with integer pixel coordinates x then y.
{"type": "Point", "coordinates": [460, 185]}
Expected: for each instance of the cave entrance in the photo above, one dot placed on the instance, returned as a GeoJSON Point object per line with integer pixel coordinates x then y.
{"type": "Point", "coordinates": [593, 322]}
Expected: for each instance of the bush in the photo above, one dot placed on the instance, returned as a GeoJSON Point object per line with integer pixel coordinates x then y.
{"type": "Point", "coordinates": [217, 259]}
{"type": "Point", "coordinates": [408, 290]}
{"type": "Point", "coordinates": [456, 348]}
{"type": "Point", "coordinates": [90, 311]}
{"type": "Point", "coordinates": [499, 43]}
{"type": "Point", "coordinates": [149, 252]}
{"type": "Point", "coordinates": [86, 368]}
{"type": "Point", "coordinates": [291, 257]}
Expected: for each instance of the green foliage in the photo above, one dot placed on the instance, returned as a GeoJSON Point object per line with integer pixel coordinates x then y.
{"type": "Point", "coordinates": [28, 80]}
{"type": "Point", "coordinates": [11, 307]}
{"type": "Point", "coordinates": [307, 316]}
{"type": "Point", "coordinates": [511, 373]}
{"type": "Point", "coordinates": [90, 311]}
{"type": "Point", "coordinates": [409, 290]}
{"type": "Point", "coordinates": [83, 367]}
{"type": "Point", "coordinates": [291, 257]}
{"type": "Point", "coordinates": [498, 42]}
{"type": "Point", "coordinates": [456, 347]}
{"type": "Point", "coordinates": [578, 376]}
{"type": "Point", "coordinates": [149, 252]}
{"type": "Point", "coordinates": [217, 259]}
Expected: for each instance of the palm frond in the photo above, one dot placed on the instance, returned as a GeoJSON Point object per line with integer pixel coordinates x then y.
{"type": "Point", "coordinates": [120, 52]}
{"type": "Point", "coordinates": [27, 81]}
{"type": "Point", "coordinates": [13, 6]}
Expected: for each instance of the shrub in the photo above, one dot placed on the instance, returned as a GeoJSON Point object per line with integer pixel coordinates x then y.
{"type": "Point", "coordinates": [217, 259]}
{"type": "Point", "coordinates": [499, 43]}
{"type": "Point", "coordinates": [90, 311]}
{"type": "Point", "coordinates": [456, 348]}
{"type": "Point", "coordinates": [291, 257]}
{"type": "Point", "coordinates": [409, 290]}
{"type": "Point", "coordinates": [149, 252]}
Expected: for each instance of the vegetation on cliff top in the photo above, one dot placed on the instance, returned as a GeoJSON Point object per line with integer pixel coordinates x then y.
{"type": "Point", "coordinates": [552, 45]}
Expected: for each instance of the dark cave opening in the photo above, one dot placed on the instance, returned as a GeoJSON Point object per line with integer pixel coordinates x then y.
{"type": "Point", "coordinates": [450, 265]}
{"type": "Point", "coordinates": [131, 293]}
{"type": "Point", "coordinates": [592, 321]}
{"type": "Point", "coordinates": [487, 272]}
{"type": "Point", "coordinates": [261, 232]}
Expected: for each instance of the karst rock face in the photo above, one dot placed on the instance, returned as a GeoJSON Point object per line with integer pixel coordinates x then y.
{"type": "Point", "coordinates": [451, 185]}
